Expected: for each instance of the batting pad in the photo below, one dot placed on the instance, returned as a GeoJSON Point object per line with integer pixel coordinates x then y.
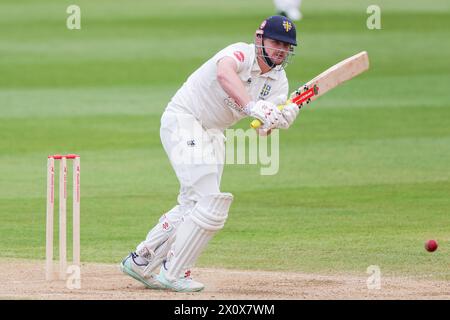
{"type": "Point", "coordinates": [207, 217]}
{"type": "Point", "coordinates": [160, 238]}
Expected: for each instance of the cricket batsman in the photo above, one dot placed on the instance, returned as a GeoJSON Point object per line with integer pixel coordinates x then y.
{"type": "Point", "coordinates": [242, 80]}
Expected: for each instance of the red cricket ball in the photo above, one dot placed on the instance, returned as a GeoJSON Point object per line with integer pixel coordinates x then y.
{"type": "Point", "coordinates": [431, 245]}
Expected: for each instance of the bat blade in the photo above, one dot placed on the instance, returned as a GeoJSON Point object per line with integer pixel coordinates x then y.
{"type": "Point", "coordinates": [339, 73]}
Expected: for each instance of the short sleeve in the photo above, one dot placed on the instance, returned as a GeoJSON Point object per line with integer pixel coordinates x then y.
{"type": "Point", "coordinates": [241, 53]}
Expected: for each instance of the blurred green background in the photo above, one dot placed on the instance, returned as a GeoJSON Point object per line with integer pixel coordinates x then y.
{"type": "Point", "coordinates": [364, 174]}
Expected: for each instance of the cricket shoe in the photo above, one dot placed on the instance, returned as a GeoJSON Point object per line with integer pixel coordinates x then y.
{"type": "Point", "coordinates": [139, 272]}
{"type": "Point", "coordinates": [183, 284]}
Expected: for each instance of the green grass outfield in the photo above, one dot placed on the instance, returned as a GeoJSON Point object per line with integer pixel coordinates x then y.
{"type": "Point", "coordinates": [364, 174]}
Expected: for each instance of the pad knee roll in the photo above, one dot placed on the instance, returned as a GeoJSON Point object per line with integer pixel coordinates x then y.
{"type": "Point", "coordinates": [211, 211]}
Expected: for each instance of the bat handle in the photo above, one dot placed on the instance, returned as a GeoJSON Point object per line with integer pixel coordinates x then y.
{"type": "Point", "coordinates": [255, 124]}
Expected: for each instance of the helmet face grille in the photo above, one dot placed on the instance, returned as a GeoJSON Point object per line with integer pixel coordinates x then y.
{"type": "Point", "coordinates": [261, 52]}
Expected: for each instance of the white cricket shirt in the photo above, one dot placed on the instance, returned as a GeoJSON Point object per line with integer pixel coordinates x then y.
{"type": "Point", "coordinates": [203, 96]}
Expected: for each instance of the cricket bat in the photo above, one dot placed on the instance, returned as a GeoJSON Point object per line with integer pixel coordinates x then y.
{"type": "Point", "coordinates": [327, 80]}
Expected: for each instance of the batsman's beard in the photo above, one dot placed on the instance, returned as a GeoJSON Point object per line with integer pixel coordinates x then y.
{"type": "Point", "coordinates": [269, 62]}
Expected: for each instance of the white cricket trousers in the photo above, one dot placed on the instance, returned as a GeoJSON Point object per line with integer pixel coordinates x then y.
{"type": "Point", "coordinates": [197, 156]}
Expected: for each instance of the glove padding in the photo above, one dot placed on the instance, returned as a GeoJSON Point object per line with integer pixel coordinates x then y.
{"type": "Point", "coordinates": [267, 113]}
{"type": "Point", "coordinates": [289, 112]}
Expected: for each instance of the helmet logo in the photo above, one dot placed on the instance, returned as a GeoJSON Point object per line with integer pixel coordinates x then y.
{"type": "Point", "coordinates": [263, 24]}
{"type": "Point", "coordinates": [287, 25]}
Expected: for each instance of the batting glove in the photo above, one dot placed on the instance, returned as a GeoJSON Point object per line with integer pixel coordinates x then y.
{"type": "Point", "coordinates": [289, 112]}
{"type": "Point", "coordinates": [267, 113]}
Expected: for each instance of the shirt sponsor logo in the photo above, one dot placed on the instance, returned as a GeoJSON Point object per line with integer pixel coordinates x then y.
{"type": "Point", "coordinates": [239, 55]}
{"type": "Point", "coordinates": [229, 102]}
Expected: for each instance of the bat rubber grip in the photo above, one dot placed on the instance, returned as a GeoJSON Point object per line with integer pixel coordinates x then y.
{"type": "Point", "coordinates": [255, 124]}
